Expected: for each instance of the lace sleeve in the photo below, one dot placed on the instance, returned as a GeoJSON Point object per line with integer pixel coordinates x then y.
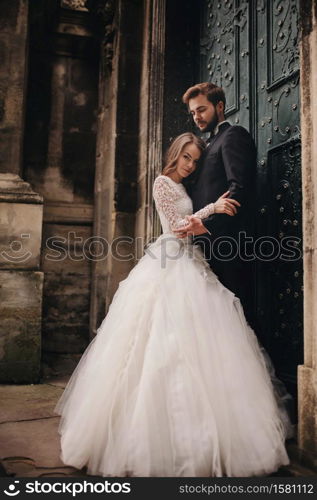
{"type": "Point", "coordinates": [165, 197]}
{"type": "Point", "coordinates": [203, 213]}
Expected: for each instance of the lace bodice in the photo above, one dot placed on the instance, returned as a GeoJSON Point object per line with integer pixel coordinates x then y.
{"type": "Point", "coordinates": [173, 204]}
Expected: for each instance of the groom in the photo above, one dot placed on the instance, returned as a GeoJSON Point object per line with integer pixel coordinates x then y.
{"type": "Point", "coordinates": [228, 164]}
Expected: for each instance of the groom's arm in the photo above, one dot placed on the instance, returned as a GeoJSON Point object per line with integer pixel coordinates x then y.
{"type": "Point", "coordinates": [238, 156]}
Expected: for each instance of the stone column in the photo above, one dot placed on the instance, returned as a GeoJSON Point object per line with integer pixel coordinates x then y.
{"type": "Point", "coordinates": [151, 117]}
{"type": "Point", "coordinates": [104, 192]}
{"type": "Point", "coordinates": [20, 212]}
{"type": "Point", "coordinates": [307, 373]}
{"type": "Point", "coordinates": [117, 146]}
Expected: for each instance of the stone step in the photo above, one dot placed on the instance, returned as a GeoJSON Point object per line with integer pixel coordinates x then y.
{"type": "Point", "coordinates": [294, 469]}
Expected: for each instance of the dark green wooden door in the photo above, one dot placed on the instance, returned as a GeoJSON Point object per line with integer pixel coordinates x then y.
{"type": "Point", "coordinates": [250, 48]}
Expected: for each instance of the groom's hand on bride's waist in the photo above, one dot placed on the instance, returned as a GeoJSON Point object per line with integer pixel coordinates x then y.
{"type": "Point", "coordinates": [195, 227]}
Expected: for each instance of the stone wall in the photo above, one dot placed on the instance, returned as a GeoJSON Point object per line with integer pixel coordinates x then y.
{"type": "Point", "coordinates": [59, 162]}
{"type": "Point", "coordinates": [21, 211]}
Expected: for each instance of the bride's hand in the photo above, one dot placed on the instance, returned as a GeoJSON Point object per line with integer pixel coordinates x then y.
{"type": "Point", "coordinates": [226, 205]}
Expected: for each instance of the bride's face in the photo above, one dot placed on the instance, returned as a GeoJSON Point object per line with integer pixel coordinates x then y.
{"type": "Point", "coordinates": [187, 160]}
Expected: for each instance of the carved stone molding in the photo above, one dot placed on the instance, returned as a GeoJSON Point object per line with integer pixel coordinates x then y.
{"type": "Point", "coordinates": [155, 71]}
{"type": "Point", "coordinates": [104, 13]}
{"type": "Point", "coordinates": [74, 4]}
{"type": "Point", "coordinates": [13, 189]}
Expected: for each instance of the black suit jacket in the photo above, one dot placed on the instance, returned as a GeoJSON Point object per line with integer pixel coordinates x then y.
{"type": "Point", "coordinates": [227, 164]}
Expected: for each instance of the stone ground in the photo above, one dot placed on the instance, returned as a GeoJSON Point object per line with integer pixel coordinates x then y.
{"type": "Point", "coordinates": [29, 440]}
{"type": "Point", "coordinates": [28, 431]}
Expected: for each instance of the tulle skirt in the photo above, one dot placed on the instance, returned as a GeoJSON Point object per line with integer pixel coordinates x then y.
{"type": "Point", "coordinates": [175, 382]}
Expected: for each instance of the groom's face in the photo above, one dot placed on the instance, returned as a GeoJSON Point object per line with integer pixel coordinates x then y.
{"type": "Point", "coordinates": [204, 113]}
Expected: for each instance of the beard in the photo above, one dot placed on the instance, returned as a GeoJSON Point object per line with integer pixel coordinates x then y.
{"type": "Point", "coordinates": [210, 127]}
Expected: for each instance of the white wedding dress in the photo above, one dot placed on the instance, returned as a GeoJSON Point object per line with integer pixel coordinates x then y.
{"type": "Point", "coordinates": [175, 382]}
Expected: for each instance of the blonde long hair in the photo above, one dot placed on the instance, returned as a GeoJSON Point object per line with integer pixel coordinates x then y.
{"type": "Point", "coordinates": [175, 149]}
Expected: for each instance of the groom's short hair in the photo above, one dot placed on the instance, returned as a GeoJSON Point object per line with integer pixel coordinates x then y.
{"type": "Point", "coordinates": [213, 93]}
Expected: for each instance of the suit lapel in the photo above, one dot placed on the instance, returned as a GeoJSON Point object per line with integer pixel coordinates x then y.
{"type": "Point", "coordinates": [208, 148]}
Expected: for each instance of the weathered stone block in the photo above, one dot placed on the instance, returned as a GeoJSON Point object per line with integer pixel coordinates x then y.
{"type": "Point", "coordinates": [20, 326]}
{"type": "Point", "coordinates": [65, 313]}
{"type": "Point", "coordinates": [20, 235]}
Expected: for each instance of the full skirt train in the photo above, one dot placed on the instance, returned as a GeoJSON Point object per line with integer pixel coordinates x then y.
{"type": "Point", "coordinates": [175, 383]}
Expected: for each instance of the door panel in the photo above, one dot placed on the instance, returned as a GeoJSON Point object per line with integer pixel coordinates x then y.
{"type": "Point", "coordinates": [224, 55]}
{"type": "Point", "coordinates": [251, 50]}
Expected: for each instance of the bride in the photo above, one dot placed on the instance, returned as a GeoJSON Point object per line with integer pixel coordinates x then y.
{"type": "Point", "coordinates": [175, 382]}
